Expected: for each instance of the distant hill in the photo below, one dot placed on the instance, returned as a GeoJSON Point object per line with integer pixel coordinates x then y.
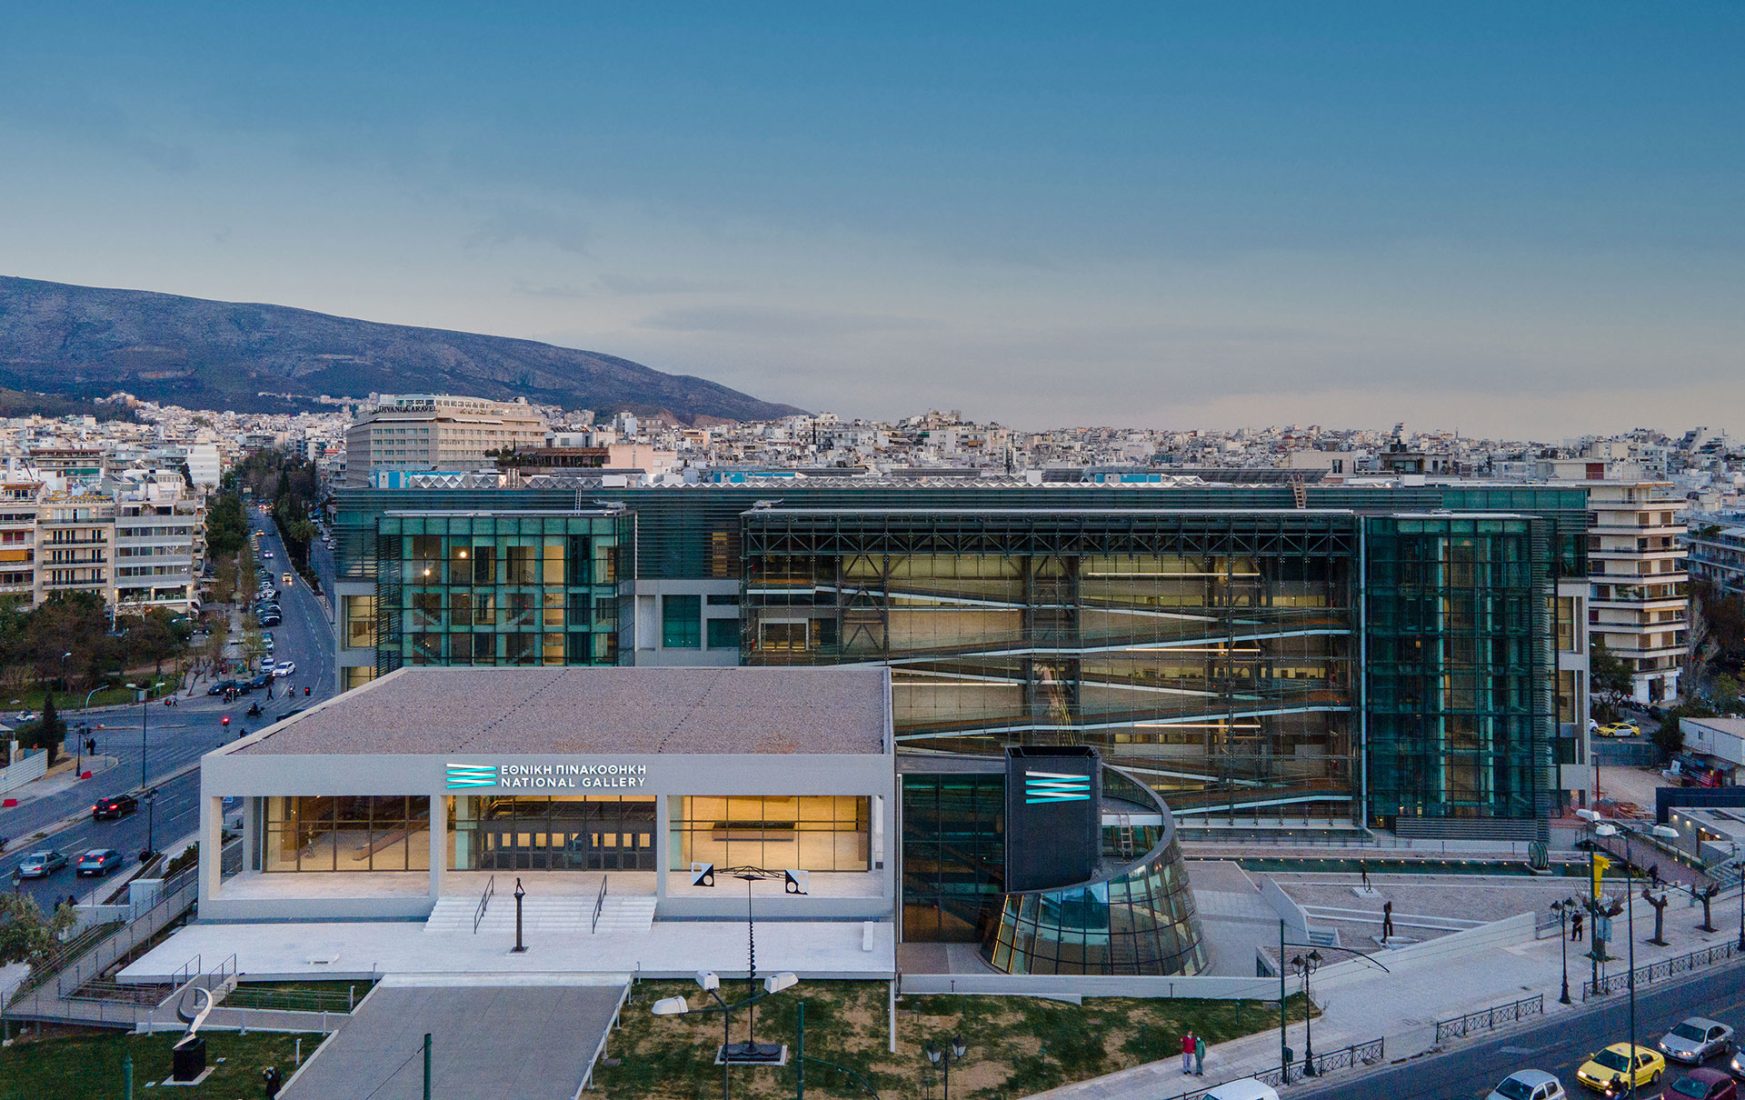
{"type": "Point", "coordinates": [86, 342]}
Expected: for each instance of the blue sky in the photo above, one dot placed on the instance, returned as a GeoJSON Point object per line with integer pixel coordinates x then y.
{"type": "Point", "coordinates": [1498, 217]}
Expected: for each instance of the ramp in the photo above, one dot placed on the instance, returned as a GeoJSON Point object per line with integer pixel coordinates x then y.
{"type": "Point", "coordinates": [488, 1042]}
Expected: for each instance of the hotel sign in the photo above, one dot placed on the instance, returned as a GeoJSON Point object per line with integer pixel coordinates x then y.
{"type": "Point", "coordinates": [589, 777]}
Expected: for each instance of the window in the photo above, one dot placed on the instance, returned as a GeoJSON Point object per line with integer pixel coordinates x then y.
{"type": "Point", "coordinates": [681, 622]}
{"type": "Point", "coordinates": [723, 633]}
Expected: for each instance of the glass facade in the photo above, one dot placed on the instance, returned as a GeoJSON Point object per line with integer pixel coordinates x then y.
{"type": "Point", "coordinates": [1459, 691]}
{"type": "Point", "coordinates": [594, 833]}
{"type": "Point", "coordinates": [806, 833]}
{"type": "Point", "coordinates": [954, 857]}
{"type": "Point", "coordinates": [456, 589]}
{"type": "Point", "coordinates": [346, 833]}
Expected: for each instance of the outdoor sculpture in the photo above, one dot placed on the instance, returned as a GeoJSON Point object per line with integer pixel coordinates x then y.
{"type": "Point", "coordinates": [188, 1056]}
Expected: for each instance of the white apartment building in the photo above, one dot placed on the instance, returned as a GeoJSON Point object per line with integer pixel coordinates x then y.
{"type": "Point", "coordinates": [420, 432]}
{"type": "Point", "coordinates": [1640, 605]}
{"type": "Point", "coordinates": [160, 546]}
{"type": "Point", "coordinates": [18, 537]}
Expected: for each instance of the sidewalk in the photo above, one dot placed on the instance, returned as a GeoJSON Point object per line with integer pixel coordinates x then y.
{"type": "Point", "coordinates": [1360, 1003]}
{"type": "Point", "coordinates": [60, 779]}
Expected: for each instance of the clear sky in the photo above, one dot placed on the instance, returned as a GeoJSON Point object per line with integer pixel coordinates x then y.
{"type": "Point", "coordinates": [1501, 217]}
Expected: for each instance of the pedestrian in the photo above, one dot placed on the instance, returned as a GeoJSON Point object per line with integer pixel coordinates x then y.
{"type": "Point", "coordinates": [1363, 870]}
{"type": "Point", "coordinates": [1199, 1056]}
{"type": "Point", "coordinates": [1188, 1053]}
{"type": "Point", "coordinates": [1387, 921]}
{"type": "Point", "coordinates": [1575, 929]}
{"type": "Point", "coordinates": [1654, 874]}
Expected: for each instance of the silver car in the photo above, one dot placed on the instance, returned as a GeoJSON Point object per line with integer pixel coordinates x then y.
{"type": "Point", "coordinates": [1696, 1040]}
{"type": "Point", "coordinates": [1529, 1084]}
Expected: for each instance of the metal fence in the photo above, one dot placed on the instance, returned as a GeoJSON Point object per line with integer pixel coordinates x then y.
{"type": "Point", "coordinates": [1358, 1054]}
{"type": "Point", "coordinates": [1489, 1019]}
{"type": "Point", "coordinates": [1660, 971]}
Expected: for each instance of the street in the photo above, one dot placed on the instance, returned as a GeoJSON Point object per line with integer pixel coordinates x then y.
{"type": "Point", "coordinates": [1471, 1069]}
{"type": "Point", "coordinates": [174, 738]}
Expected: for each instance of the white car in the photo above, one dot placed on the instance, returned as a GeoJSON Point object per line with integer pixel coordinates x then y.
{"type": "Point", "coordinates": [1247, 1088]}
{"type": "Point", "coordinates": [267, 555]}
{"type": "Point", "coordinates": [1529, 1084]}
{"type": "Point", "coordinates": [284, 668]}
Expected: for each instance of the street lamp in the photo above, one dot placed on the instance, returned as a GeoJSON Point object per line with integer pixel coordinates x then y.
{"type": "Point", "coordinates": [151, 824]}
{"type": "Point", "coordinates": [1563, 909]}
{"type": "Point", "coordinates": [749, 1052]}
{"type": "Point", "coordinates": [1607, 829]}
{"type": "Point", "coordinates": [144, 720]}
{"type": "Point", "coordinates": [944, 1056]}
{"type": "Point", "coordinates": [1305, 965]}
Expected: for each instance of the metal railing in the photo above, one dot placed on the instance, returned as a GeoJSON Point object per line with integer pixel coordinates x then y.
{"type": "Point", "coordinates": [599, 904]}
{"type": "Point", "coordinates": [293, 1000]}
{"type": "Point", "coordinates": [1358, 1054]}
{"type": "Point", "coordinates": [484, 902]}
{"type": "Point", "coordinates": [1489, 1019]}
{"type": "Point", "coordinates": [1660, 971]}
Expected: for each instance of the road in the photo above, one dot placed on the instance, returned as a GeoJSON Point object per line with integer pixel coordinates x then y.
{"type": "Point", "coordinates": [173, 740]}
{"type": "Point", "coordinates": [1471, 1069]}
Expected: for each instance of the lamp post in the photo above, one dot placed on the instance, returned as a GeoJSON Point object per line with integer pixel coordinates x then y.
{"type": "Point", "coordinates": [519, 894]}
{"type": "Point", "coordinates": [944, 1056]}
{"type": "Point", "coordinates": [747, 1053]}
{"type": "Point", "coordinates": [151, 825]}
{"type": "Point", "coordinates": [1563, 909]}
{"type": "Point", "coordinates": [1741, 866]}
{"type": "Point", "coordinates": [144, 721]}
{"type": "Point", "coordinates": [1305, 965]}
{"type": "Point", "coordinates": [1607, 829]}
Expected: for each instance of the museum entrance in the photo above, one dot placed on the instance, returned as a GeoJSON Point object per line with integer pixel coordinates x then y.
{"type": "Point", "coordinates": [503, 833]}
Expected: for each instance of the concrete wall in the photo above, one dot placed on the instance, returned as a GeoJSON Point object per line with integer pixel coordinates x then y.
{"type": "Point", "coordinates": [31, 766]}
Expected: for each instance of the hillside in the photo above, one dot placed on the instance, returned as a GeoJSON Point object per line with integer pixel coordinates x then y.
{"type": "Point", "coordinates": [89, 342]}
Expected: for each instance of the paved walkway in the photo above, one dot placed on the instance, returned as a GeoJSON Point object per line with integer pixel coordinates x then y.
{"type": "Point", "coordinates": [1360, 1004]}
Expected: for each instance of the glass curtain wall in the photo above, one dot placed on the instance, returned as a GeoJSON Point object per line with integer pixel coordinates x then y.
{"type": "Point", "coordinates": [497, 590]}
{"type": "Point", "coordinates": [345, 833]}
{"type": "Point", "coordinates": [805, 832]}
{"type": "Point", "coordinates": [593, 833]}
{"type": "Point", "coordinates": [1460, 702]}
{"type": "Point", "coordinates": [954, 855]}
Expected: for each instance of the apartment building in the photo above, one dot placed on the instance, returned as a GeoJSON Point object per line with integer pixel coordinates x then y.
{"type": "Point", "coordinates": [1717, 552]}
{"type": "Point", "coordinates": [422, 432]}
{"type": "Point", "coordinates": [160, 546]}
{"type": "Point", "coordinates": [18, 537]}
{"type": "Point", "coordinates": [75, 543]}
{"type": "Point", "coordinates": [1640, 590]}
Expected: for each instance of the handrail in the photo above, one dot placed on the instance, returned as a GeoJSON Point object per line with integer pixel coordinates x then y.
{"type": "Point", "coordinates": [1661, 970]}
{"type": "Point", "coordinates": [1488, 1019]}
{"type": "Point", "coordinates": [599, 903]}
{"type": "Point", "coordinates": [484, 902]}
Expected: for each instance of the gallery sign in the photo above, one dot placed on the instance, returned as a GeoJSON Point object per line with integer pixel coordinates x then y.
{"type": "Point", "coordinates": [589, 777]}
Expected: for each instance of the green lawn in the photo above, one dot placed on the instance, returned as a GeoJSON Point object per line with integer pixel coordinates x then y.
{"type": "Point", "coordinates": [87, 1065]}
{"type": "Point", "coordinates": [329, 996]}
{"type": "Point", "coordinates": [1017, 1045]}
{"type": "Point", "coordinates": [69, 702]}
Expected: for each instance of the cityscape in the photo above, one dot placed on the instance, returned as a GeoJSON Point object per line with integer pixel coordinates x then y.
{"type": "Point", "coordinates": [1106, 661]}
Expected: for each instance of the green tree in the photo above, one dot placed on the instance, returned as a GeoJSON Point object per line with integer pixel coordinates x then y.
{"type": "Point", "coordinates": [26, 933]}
{"type": "Point", "coordinates": [48, 731]}
{"type": "Point", "coordinates": [1608, 676]}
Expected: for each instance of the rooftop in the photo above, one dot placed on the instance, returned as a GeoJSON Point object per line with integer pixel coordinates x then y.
{"type": "Point", "coordinates": [594, 710]}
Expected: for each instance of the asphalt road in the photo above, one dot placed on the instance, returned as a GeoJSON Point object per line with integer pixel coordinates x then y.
{"type": "Point", "coordinates": [1470, 1069]}
{"type": "Point", "coordinates": [174, 739]}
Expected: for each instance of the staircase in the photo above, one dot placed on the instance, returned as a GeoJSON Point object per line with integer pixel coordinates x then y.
{"type": "Point", "coordinates": [569, 914]}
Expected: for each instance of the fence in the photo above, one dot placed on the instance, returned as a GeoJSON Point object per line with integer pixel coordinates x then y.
{"type": "Point", "coordinates": [1358, 1054]}
{"type": "Point", "coordinates": [31, 765]}
{"type": "Point", "coordinates": [1660, 971]}
{"type": "Point", "coordinates": [1489, 1019]}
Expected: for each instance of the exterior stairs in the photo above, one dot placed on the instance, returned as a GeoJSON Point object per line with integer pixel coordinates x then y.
{"type": "Point", "coordinates": [562, 915]}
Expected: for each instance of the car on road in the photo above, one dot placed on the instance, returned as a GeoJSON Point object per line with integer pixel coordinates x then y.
{"type": "Point", "coordinates": [223, 686]}
{"type": "Point", "coordinates": [288, 580]}
{"type": "Point", "coordinates": [1529, 1084]}
{"type": "Point", "coordinates": [261, 679]}
{"type": "Point", "coordinates": [266, 555]}
{"type": "Point", "coordinates": [1696, 1040]}
{"type": "Point", "coordinates": [1619, 729]}
{"type": "Point", "coordinates": [1612, 1070]}
{"type": "Point", "coordinates": [1246, 1088]}
{"type": "Point", "coordinates": [98, 861]}
{"type": "Point", "coordinates": [105, 809]}
{"type": "Point", "coordinates": [285, 668]}
{"type": "Point", "coordinates": [1703, 1084]}
{"type": "Point", "coordinates": [41, 864]}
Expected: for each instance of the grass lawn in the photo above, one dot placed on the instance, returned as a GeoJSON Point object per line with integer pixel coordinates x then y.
{"type": "Point", "coordinates": [86, 1065]}
{"type": "Point", "coordinates": [1017, 1045]}
{"type": "Point", "coordinates": [331, 996]}
{"type": "Point", "coordinates": [31, 698]}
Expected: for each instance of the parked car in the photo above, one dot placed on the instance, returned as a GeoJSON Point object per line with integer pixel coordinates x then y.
{"type": "Point", "coordinates": [284, 668]}
{"type": "Point", "coordinates": [1619, 1065]}
{"type": "Point", "coordinates": [1704, 1084]}
{"type": "Point", "coordinates": [105, 809]}
{"type": "Point", "coordinates": [223, 686]}
{"type": "Point", "coordinates": [269, 618]}
{"type": "Point", "coordinates": [1619, 729]}
{"type": "Point", "coordinates": [41, 864]}
{"type": "Point", "coordinates": [1696, 1040]}
{"type": "Point", "coordinates": [1529, 1084]}
{"type": "Point", "coordinates": [99, 861]}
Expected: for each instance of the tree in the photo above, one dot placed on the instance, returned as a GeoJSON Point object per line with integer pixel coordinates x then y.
{"type": "Point", "coordinates": [1608, 675]}
{"type": "Point", "coordinates": [26, 933]}
{"type": "Point", "coordinates": [47, 732]}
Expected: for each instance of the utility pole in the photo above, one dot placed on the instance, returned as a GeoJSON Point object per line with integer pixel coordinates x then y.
{"type": "Point", "coordinates": [427, 1065]}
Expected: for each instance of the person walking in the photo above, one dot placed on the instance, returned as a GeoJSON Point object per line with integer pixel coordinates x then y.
{"type": "Point", "coordinates": [1363, 871]}
{"type": "Point", "coordinates": [1188, 1044]}
{"type": "Point", "coordinates": [1575, 928]}
{"type": "Point", "coordinates": [1387, 921]}
{"type": "Point", "coordinates": [1199, 1056]}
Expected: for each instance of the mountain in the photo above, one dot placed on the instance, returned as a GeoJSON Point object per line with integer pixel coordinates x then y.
{"type": "Point", "coordinates": [89, 342]}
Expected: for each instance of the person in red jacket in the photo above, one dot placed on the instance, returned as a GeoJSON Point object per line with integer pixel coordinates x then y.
{"type": "Point", "coordinates": [1188, 1053]}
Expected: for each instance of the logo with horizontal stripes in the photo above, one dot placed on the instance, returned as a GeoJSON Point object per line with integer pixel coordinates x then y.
{"type": "Point", "coordinates": [471, 775]}
{"type": "Point", "coordinates": [1055, 787]}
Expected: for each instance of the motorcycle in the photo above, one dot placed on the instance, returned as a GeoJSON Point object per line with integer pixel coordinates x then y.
{"type": "Point", "coordinates": [254, 710]}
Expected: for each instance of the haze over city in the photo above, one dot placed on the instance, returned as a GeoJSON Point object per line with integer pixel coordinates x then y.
{"type": "Point", "coordinates": [1161, 217]}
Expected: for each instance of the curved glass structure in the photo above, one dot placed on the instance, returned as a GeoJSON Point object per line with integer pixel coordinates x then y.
{"type": "Point", "coordinates": [1137, 917]}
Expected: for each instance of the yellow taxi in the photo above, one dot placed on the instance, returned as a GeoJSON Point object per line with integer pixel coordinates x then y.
{"type": "Point", "coordinates": [1619, 729]}
{"type": "Point", "coordinates": [1608, 1072]}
